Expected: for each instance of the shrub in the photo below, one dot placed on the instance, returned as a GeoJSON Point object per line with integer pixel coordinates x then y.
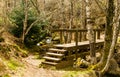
{"type": "Point", "coordinates": [37, 33]}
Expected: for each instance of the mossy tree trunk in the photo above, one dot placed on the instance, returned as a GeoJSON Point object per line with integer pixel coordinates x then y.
{"type": "Point", "coordinates": [108, 32]}
{"type": "Point", "coordinates": [110, 40]}
{"type": "Point", "coordinates": [112, 48]}
{"type": "Point", "coordinates": [114, 38]}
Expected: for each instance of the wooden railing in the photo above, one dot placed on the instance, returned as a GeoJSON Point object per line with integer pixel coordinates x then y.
{"type": "Point", "coordinates": [76, 34]}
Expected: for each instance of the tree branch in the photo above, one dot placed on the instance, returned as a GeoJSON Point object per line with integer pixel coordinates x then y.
{"type": "Point", "coordinates": [35, 5]}
{"type": "Point", "coordinates": [31, 26]}
{"type": "Point", "coordinates": [102, 9]}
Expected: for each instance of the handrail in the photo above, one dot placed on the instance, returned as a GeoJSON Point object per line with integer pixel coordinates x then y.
{"type": "Point", "coordinates": [73, 30]}
{"type": "Point", "coordinates": [77, 32]}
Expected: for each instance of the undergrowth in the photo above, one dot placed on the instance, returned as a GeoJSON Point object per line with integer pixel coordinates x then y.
{"type": "Point", "coordinates": [13, 64]}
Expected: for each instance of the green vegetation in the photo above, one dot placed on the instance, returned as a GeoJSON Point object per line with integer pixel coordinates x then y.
{"type": "Point", "coordinates": [38, 31]}
{"type": "Point", "coordinates": [13, 64]}
{"type": "Point", "coordinates": [1, 21]}
{"type": "Point", "coordinates": [77, 73]}
{"type": "Point", "coordinates": [71, 74]}
{"type": "Point", "coordinates": [6, 75]}
{"type": "Point", "coordinates": [118, 40]}
{"type": "Point", "coordinates": [24, 52]}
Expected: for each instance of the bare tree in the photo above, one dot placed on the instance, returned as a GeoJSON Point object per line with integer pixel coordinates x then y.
{"type": "Point", "coordinates": [71, 19]}
{"type": "Point", "coordinates": [36, 5]}
{"type": "Point", "coordinates": [90, 31]}
{"type": "Point", "coordinates": [83, 18]}
{"type": "Point", "coordinates": [26, 29]}
{"type": "Point", "coordinates": [62, 14]}
{"type": "Point", "coordinates": [25, 20]}
{"type": "Point", "coordinates": [102, 7]}
{"type": "Point", "coordinates": [5, 11]}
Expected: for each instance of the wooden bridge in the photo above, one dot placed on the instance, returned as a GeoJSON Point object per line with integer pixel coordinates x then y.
{"type": "Point", "coordinates": [62, 55]}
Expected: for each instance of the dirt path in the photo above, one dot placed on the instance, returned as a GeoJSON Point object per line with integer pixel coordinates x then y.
{"type": "Point", "coordinates": [32, 69]}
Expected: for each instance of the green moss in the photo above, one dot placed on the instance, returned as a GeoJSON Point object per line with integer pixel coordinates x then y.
{"type": "Point", "coordinates": [72, 74]}
{"type": "Point", "coordinates": [118, 40]}
{"type": "Point", "coordinates": [1, 21]}
{"type": "Point", "coordinates": [21, 50]}
{"type": "Point", "coordinates": [13, 64]}
{"type": "Point", "coordinates": [77, 73]}
{"type": "Point", "coordinates": [37, 56]}
{"type": "Point", "coordinates": [6, 75]}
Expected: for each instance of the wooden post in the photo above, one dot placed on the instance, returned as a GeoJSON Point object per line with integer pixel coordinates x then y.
{"type": "Point", "coordinates": [71, 36]}
{"type": "Point", "coordinates": [61, 34]}
{"type": "Point", "coordinates": [80, 36]}
{"type": "Point", "coordinates": [98, 34]}
{"type": "Point", "coordinates": [65, 36]}
{"type": "Point", "coordinates": [95, 36]}
{"type": "Point", "coordinates": [76, 42]}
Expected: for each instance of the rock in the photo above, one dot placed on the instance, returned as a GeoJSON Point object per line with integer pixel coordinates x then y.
{"type": "Point", "coordinates": [113, 68]}
{"type": "Point", "coordinates": [88, 74]}
{"type": "Point", "coordinates": [117, 57]}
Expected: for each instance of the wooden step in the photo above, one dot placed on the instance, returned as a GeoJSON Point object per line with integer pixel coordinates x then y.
{"type": "Point", "coordinates": [57, 50]}
{"type": "Point", "coordinates": [54, 54]}
{"type": "Point", "coordinates": [50, 63]}
{"type": "Point", "coordinates": [51, 58]}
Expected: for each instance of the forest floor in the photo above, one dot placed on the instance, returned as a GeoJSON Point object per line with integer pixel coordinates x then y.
{"type": "Point", "coordinates": [29, 66]}
{"type": "Point", "coordinates": [31, 69]}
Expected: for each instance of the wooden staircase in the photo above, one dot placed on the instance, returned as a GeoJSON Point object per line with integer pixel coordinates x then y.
{"type": "Point", "coordinates": [54, 56]}
{"type": "Point", "coordinates": [59, 57]}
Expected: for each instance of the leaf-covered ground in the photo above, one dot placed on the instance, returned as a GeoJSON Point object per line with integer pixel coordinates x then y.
{"type": "Point", "coordinates": [31, 69]}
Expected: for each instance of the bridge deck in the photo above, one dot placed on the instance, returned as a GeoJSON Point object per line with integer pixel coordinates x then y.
{"type": "Point", "coordinates": [71, 45]}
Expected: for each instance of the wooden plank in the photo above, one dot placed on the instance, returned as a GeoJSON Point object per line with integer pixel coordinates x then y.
{"type": "Point", "coordinates": [57, 50]}
{"type": "Point", "coordinates": [76, 43]}
{"type": "Point", "coordinates": [54, 54]}
{"type": "Point", "coordinates": [69, 45]}
{"type": "Point", "coordinates": [94, 36]}
{"type": "Point", "coordinates": [51, 58]}
{"type": "Point", "coordinates": [50, 63]}
{"type": "Point", "coordinates": [61, 31]}
{"type": "Point", "coordinates": [74, 30]}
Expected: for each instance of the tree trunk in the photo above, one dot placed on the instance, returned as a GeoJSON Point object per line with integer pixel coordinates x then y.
{"type": "Point", "coordinates": [36, 5]}
{"type": "Point", "coordinates": [71, 20]}
{"type": "Point", "coordinates": [15, 3]}
{"type": "Point", "coordinates": [25, 20]}
{"type": "Point", "coordinates": [112, 48]}
{"type": "Point", "coordinates": [5, 13]}
{"type": "Point", "coordinates": [90, 32]}
{"type": "Point", "coordinates": [114, 40]}
{"type": "Point", "coordinates": [83, 19]}
{"type": "Point", "coordinates": [63, 20]}
{"type": "Point", "coordinates": [62, 14]}
{"type": "Point", "coordinates": [108, 32]}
